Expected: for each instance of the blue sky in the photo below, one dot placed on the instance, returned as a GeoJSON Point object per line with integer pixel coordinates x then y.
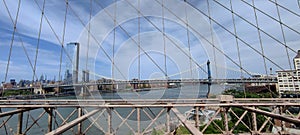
{"type": "Point", "coordinates": [126, 58]}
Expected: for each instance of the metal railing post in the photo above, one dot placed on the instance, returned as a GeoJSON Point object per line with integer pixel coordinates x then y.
{"type": "Point", "coordinates": [50, 119]}
{"type": "Point", "coordinates": [109, 124]}
{"type": "Point", "coordinates": [79, 128]}
{"type": "Point", "coordinates": [20, 123]}
{"type": "Point", "coordinates": [168, 124]}
{"type": "Point", "coordinates": [225, 111]}
{"type": "Point", "coordinates": [254, 122]}
{"type": "Point", "coordinates": [197, 122]}
{"type": "Point", "coordinates": [138, 118]}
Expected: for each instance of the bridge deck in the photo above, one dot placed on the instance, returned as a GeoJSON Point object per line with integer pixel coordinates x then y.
{"type": "Point", "coordinates": [214, 81]}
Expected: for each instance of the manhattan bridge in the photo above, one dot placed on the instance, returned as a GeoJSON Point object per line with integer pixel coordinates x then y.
{"type": "Point", "coordinates": [147, 66]}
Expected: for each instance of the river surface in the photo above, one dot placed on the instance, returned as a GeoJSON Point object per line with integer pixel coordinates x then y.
{"type": "Point", "coordinates": [185, 92]}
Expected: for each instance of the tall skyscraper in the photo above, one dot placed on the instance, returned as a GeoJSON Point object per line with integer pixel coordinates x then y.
{"type": "Point", "coordinates": [72, 60]}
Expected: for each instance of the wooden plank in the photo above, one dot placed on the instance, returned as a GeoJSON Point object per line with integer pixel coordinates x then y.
{"type": "Point", "coordinates": [186, 123]}
{"type": "Point", "coordinates": [71, 124]}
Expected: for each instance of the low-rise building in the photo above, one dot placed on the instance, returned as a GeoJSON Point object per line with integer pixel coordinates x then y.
{"type": "Point", "coordinates": [289, 80]}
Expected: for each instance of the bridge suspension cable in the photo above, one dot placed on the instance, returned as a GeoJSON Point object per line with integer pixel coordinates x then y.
{"type": "Point", "coordinates": [12, 38]}
{"type": "Point", "coordinates": [53, 31]}
{"type": "Point", "coordinates": [139, 41]}
{"type": "Point", "coordinates": [38, 41]}
{"type": "Point", "coordinates": [188, 40]}
{"type": "Point", "coordinates": [164, 38]}
{"type": "Point", "coordinates": [89, 36]}
{"type": "Point", "coordinates": [228, 57]}
{"type": "Point", "coordinates": [212, 37]}
{"type": "Point", "coordinates": [240, 39]}
{"type": "Point", "coordinates": [236, 41]}
{"type": "Point", "coordinates": [259, 37]}
{"type": "Point", "coordinates": [94, 38]}
{"type": "Point", "coordinates": [283, 35]}
{"type": "Point", "coordinates": [247, 21]}
{"type": "Point", "coordinates": [173, 42]}
{"type": "Point", "coordinates": [63, 41]}
{"type": "Point", "coordinates": [283, 7]}
{"type": "Point", "coordinates": [209, 15]}
{"type": "Point", "coordinates": [134, 41]}
{"type": "Point", "coordinates": [19, 37]}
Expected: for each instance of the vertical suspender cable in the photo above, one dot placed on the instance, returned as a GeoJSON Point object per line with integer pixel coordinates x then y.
{"type": "Point", "coordinates": [236, 41]}
{"type": "Point", "coordinates": [237, 46]}
{"type": "Point", "coordinates": [139, 41]}
{"type": "Point", "coordinates": [164, 39]}
{"type": "Point", "coordinates": [260, 39]}
{"type": "Point", "coordinates": [84, 81]}
{"type": "Point", "coordinates": [38, 41]}
{"type": "Point", "coordinates": [188, 39]}
{"type": "Point", "coordinates": [114, 43]}
{"type": "Point", "coordinates": [12, 41]}
{"type": "Point", "coordinates": [89, 37]}
{"type": "Point", "coordinates": [62, 43]}
{"type": "Point", "coordinates": [283, 35]}
{"type": "Point", "coordinates": [11, 45]}
{"type": "Point", "coordinates": [212, 37]}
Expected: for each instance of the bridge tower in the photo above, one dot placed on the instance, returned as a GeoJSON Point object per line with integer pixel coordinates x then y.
{"type": "Point", "coordinates": [209, 78]}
